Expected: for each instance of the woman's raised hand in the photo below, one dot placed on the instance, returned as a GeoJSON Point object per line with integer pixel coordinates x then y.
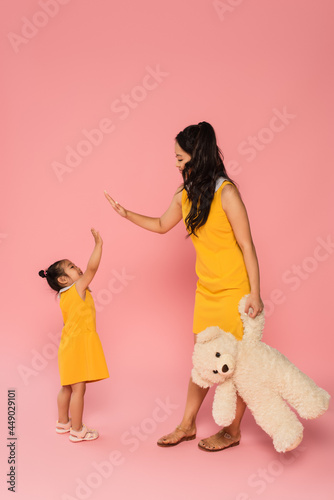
{"type": "Point", "coordinates": [116, 206]}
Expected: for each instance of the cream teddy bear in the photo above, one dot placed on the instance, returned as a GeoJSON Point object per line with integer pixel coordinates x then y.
{"type": "Point", "coordinates": [262, 376]}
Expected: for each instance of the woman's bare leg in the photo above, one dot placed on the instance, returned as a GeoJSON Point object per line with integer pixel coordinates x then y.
{"type": "Point", "coordinates": [223, 439]}
{"type": "Point", "coordinates": [228, 436]}
{"type": "Point", "coordinates": [187, 427]}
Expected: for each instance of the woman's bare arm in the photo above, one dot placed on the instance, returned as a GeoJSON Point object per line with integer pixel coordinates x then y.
{"type": "Point", "coordinates": [237, 215]}
{"type": "Point", "coordinates": [160, 225]}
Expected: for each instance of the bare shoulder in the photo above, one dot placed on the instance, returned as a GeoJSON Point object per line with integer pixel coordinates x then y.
{"type": "Point", "coordinates": [178, 195]}
{"type": "Point", "coordinates": [229, 189]}
{"type": "Point", "coordinates": [230, 195]}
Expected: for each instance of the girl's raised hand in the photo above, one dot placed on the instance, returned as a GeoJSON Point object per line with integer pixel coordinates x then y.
{"type": "Point", "coordinates": [116, 206]}
{"type": "Point", "coordinates": [96, 236]}
{"type": "Point", "coordinates": [93, 264]}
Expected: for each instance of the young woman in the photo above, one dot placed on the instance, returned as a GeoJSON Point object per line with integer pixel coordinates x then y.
{"type": "Point", "coordinates": [226, 262]}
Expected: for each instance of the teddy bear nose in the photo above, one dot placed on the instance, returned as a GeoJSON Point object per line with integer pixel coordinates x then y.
{"type": "Point", "coordinates": [225, 368]}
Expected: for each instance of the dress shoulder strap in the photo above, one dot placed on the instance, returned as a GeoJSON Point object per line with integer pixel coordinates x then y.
{"type": "Point", "coordinates": [219, 182]}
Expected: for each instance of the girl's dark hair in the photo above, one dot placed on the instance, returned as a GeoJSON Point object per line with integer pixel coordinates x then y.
{"type": "Point", "coordinates": [52, 274]}
{"type": "Point", "coordinates": [201, 172]}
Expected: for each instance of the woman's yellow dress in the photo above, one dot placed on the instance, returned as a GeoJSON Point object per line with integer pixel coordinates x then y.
{"type": "Point", "coordinates": [80, 353]}
{"type": "Point", "coordinates": [221, 270]}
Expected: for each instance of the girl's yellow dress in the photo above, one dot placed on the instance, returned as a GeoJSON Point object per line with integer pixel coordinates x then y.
{"type": "Point", "coordinates": [220, 267]}
{"type": "Point", "coordinates": [80, 353]}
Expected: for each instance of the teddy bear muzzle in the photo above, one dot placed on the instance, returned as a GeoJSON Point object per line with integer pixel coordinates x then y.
{"type": "Point", "coordinates": [224, 369]}
{"type": "Point", "coordinates": [224, 365]}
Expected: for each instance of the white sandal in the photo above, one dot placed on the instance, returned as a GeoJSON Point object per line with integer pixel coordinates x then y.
{"type": "Point", "coordinates": [83, 435]}
{"type": "Point", "coordinates": [63, 428]}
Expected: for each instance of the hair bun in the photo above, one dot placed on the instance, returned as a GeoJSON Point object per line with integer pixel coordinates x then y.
{"type": "Point", "coordinates": [42, 274]}
{"type": "Point", "coordinates": [204, 125]}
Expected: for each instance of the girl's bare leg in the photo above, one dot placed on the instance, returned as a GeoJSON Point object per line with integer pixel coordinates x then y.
{"type": "Point", "coordinates": [63, 402]}
{"type": "Point", "coordinates": [77, 404]}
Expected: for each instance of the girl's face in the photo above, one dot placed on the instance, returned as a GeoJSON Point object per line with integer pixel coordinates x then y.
{"type": "Point", "coordinates": [181, 157]}
{"type": "Point", "coordinates": [71, 273]}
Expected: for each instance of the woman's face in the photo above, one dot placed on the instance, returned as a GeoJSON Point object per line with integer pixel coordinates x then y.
{"type": "Point", "coordinates": [181, 157]}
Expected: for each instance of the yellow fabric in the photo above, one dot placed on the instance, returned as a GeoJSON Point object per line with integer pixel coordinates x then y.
{"type": "Point", "coordinates": [80, 353]}
{"type": "Point", "coordinates": [221, 271]}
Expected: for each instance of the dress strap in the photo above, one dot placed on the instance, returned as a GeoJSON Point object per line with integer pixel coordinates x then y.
{"type": "Point", "coordinates": [65, 289]}
{"type": "Point", "coordinates": [219, 182]}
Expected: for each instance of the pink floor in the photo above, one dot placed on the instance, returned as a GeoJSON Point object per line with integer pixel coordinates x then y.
{"type": "Point", "coordinates": [126, 463]}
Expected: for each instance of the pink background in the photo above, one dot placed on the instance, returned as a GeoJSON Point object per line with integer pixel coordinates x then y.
{"type": "Point", "coordinates": [237, 66]}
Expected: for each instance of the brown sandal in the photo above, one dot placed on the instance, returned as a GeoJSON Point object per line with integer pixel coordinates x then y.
{"type": "Point", "coordinates": [184, 438]}
{"type": "Point", "coordinates": [222, 433]}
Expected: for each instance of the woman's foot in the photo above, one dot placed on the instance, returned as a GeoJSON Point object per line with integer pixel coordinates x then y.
{"type": "Point", "coordinates": [219, 441]}
{"type": "Point", "coordinates": [63, 428]}
{"type": "Point", "coordinates": [180, 434]}
{"type": "Point", "coordinates": [83, 435]}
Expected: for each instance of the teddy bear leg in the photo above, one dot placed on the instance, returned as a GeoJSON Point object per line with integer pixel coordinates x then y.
{"type": "Point", "coordinates": [303, 394]}
{"type": "Point", "coordinates": [276, 419]}
{"type": "Point", "coordinates": [224, 403]}
{"type": "Point", "coordinates": [295, 444]}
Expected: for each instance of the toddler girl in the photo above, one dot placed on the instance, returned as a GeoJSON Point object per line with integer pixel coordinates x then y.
{"type": "Point", "coordinates": [80, 354]}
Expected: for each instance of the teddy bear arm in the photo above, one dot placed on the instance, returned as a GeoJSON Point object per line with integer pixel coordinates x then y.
{"type": "Point", "coordinates": [198, 379]}
{"type": "Point", "coordinates": [225, 403]}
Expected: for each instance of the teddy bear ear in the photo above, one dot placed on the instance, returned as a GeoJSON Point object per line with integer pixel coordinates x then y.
{"type": "Point", "coordinates": [210, 333]}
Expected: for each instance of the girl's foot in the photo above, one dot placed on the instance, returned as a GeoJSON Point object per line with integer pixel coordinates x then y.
{"type": "Point", "coordinates": [63, 428]}
{"type": "Point", "coordinates": [219, 441]}
{"type": "Point", "coordinates": [83, 435]}
{"type": "Point", "coordinates": [177, 437]}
